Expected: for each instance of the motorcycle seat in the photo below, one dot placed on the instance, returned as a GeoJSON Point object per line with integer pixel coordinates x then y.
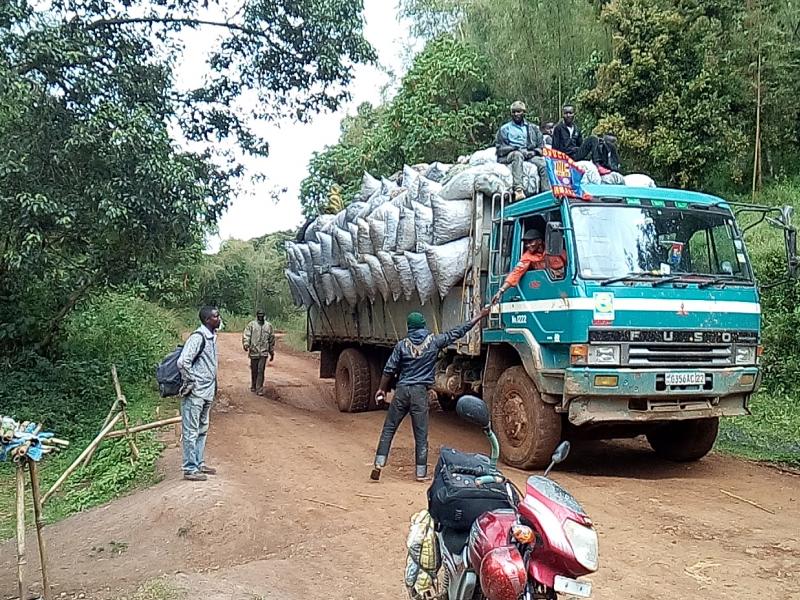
{"type": "Point", "coordinates": [454, 539]}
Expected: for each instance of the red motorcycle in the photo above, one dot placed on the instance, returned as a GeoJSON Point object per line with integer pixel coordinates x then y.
{"type": "Point", "coordinates": [498, 544]}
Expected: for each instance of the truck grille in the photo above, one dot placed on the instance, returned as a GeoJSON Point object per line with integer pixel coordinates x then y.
{"type": "Point", "coordinates": [679, 355]}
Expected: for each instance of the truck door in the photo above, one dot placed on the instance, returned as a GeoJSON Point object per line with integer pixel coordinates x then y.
{"type": "Point", "coordinates": [502, 243]}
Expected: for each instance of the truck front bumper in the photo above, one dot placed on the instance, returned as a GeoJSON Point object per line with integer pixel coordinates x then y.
{"type": "Point", "coordinates": [641, 395]}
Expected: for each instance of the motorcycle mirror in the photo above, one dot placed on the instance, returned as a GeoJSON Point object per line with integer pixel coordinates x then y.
{"type": "Point", "coordinates": [561, 453]}
{"type": "Point", "coordinates": [473, 410]}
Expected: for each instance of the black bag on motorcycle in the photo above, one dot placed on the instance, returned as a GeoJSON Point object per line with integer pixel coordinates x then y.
{"type": "Point", "coordinates": [454, 500]}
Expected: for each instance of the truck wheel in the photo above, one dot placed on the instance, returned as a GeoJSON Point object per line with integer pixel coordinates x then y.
{"type": "Point", "coordinates": [352, 381]}
{"type": "Point", "coordinates": [684, 441]}
{"type": "Point", "coordinates": [375, 374]}
{"type": "Point", "coordinates": [527, 428]}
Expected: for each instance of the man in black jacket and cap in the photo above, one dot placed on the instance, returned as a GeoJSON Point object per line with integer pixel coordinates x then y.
{"type": "Point", "coordinates": [413, 360]}
{"type": "Point", "coordinates": [517, 142]}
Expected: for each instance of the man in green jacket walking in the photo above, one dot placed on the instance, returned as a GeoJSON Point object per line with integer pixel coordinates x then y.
{"type": "Point", "coordinates": [258, 340]}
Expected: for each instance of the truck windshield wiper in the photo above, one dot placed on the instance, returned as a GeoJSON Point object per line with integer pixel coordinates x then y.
{"type": "Point", "coordinates": [723, 280]}
{"type": "Point", "coordinates": [657, 278]}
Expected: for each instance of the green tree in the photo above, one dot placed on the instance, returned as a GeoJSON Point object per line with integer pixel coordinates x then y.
{"type": "Point", "coordinates": [93, 190]}
{"type": "Point", "coordinates": [443, 109]}
{"type": "Point", "coordinates": [671, 90]}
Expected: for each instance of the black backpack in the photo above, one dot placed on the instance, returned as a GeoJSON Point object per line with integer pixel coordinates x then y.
{"type": "Point", "coordinates": [168, 375]}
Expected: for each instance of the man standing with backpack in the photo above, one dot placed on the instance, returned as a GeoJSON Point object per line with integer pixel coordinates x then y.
{"type": "Point", "coordinates": [414, 362]}
{"type": "Point", "coordinates": [198, 367]}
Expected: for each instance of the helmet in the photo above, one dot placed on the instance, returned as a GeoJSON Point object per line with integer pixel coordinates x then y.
{"type": "Point", "coordinates": [531, 235]}
{"type": "Point", "coordinates": [502, 574]}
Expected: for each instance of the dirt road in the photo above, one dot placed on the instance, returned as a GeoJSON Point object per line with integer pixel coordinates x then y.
{"type": "Point", "coordinates": [292, 516]}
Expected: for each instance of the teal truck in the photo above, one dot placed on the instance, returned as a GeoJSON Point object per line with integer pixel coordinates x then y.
{"type": "Point", "coordinates": [652, 328]}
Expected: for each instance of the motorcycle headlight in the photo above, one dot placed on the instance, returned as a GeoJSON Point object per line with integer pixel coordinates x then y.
{"type": "Point", "coordinates": [607, 354]}
{"type": "Point", "coordinates": [584, 543]}
{"type": "Point", "coordinates": [745, 355]}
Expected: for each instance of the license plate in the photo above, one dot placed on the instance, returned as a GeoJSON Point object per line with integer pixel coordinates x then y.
{"type": "Point", "coordinates": [564, 585]}
{"type": "Point", "coordinates": [684, 379]}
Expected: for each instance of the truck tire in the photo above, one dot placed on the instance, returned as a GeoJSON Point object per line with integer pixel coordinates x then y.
{"type": "Point", "coordinates": [528, 429]}
{"type": "Point", "coordinates": [375, 374]}
{"type": "Point", "coordinates": [352, 381]}
{"type": "Point", "coordinates": [684, 441]}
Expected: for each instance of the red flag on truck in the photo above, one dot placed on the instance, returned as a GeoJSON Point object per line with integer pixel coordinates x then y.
{"type": "Point", "coordinates": [564, 175]}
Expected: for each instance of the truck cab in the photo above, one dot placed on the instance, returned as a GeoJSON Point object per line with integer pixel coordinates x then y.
{"type": "Point", "coordinates": [653, 326]}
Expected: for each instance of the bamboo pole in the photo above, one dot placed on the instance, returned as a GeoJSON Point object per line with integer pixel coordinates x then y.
{"type": "Point", "coordinates": [83, 455]}
{"type": "Point", "coordinates": [123, 402]}
{"type": "Point", "coordinates": [21, 560]}
{"type": "Point", "coordinates": [145, 427]}
{"type": "Point", "coordinates": [107, 420]}
{"type": "Point", "coordinates": [37, 513]}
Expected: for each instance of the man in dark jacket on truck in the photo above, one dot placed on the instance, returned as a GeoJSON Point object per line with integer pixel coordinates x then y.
{"type": "Point", "coordinates": [414, 362]}
{"type": "Point", "coordinates": [518, 142]}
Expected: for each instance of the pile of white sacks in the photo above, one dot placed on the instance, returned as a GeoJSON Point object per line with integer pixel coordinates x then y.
{"type": "Point", "coordinates": [402, 237]}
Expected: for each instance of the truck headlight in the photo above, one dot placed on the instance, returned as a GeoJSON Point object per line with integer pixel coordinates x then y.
{"type": "Point", "coordinates": [745, 355]}
{"type": "Point", "coordinates": [584, 543]}
{"type": "Point", "coordinates": [604, 355]}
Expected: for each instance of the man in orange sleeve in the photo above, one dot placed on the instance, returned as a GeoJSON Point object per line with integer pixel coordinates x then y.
{"type": "Point", "coordinates": [533, 257]}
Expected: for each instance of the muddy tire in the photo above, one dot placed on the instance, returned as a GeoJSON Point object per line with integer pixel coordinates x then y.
{"type": "Point", "coordinates": [684, 441]}
{"type": "Point", "coordinates": [528, 429]}
{"type": "Point", "coordinates": [352, 381]}
{"type": "Point", "coordinates": [375, 374]}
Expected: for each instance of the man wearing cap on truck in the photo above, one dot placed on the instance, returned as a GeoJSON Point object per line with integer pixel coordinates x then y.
{"type": "Point", "coordinates": [413, 360]}
{"type": "Point", "coordinates": [533, 257]}
{"type": "Point", "coordinates": [517, 142]}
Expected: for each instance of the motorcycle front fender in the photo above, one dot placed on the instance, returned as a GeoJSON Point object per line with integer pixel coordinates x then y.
{"type": "Point", "coordinates": [542, 572]}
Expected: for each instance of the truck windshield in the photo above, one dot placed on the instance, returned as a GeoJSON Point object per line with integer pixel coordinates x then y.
{"type": "Point", "coordinates": [621, 242]}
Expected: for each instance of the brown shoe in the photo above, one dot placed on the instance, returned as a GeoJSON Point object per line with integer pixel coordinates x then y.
{"type": "Point", "coordinates": [208, 470]}
{"type": "Point", "coordinates": [376, 474]}
{"type": "Point", "coordinates": [519, 194]}
{"type": "Point", "coordinates": [198, 476]}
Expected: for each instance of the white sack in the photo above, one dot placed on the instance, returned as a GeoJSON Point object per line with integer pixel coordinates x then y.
{"type": "Point", "coordinates": [301, 288]}
{"type": "Point", "coordinates": [344, 279]}
{"type": "Point", "coordinates": [449, 263]}
{"type": "Point", "coordinates": [590, 172]}
{"type": "Point", "coordinates": [406, 229]}
{"type": "Point", "coordinates": [613, 178]}
{"type": "Point", "coordinates": [388, 186]}
{"type": "Point", "coordinates": [423, 225]}
{"type": "Point", "coordinates": [494, 177]}
{"type": "Point", "coordinates": [353, 211]}
{"type": "Point", "coordinates": [326, 250]}
{"type": "Point", "coordinates": [365, 287]}
{"type": "Point", "coordinates": [345, 242]}
{"type": "Point", "coordinates": [328, 289]}
{"type": "Point", "coordinates": [451, 219]}
{"type": "Point", "coordinates": [364, 245]}
{"type": "Point", "coordinates": [436, 171]}
{"type": "Point", "coordinates": [308, 263]}
{"type": "Point", "coordinates": [403, 269]}
{"type": "Point", "coordinates": [297, 298]}
{"type": "Point", "coordinates": [369, 185]}
{"type": "Point", "coordinates": [530, 178]}
{"type": "Point", "coordinates": [427, 190]}
{"type": "Point", "coordinates": [316, 255]}
{"type": "Point", "coordinates": [390, 273]}
{"type": "Point", "coordinates": [481, 157]}
{"type": "Point", "coordinates": [639, 180]}
{"type": "Point", "coordinates": [423, 278]}
{"type": "Point", "coordinates": [383, 226]}
{"type": "Point", "coordinates": [378, 277]}
{"type": "Point", "coordinates": [411, 181]}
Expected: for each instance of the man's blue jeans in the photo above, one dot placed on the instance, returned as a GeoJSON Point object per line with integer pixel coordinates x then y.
{"type": "Point", "coordinates": [194, 422]}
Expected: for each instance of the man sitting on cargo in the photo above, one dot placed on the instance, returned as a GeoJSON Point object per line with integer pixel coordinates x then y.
{"type": "Point", "coordinates": [518, 142]}
{"type": "Point", "coordinates": [568, 138]}
{"type": "Point", "coordinates": [414, 362]}
{"type": "Point", "coordinates": [533, 257]}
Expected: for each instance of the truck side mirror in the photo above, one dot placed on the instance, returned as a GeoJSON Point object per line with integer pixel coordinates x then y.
{"type": "Point", "coordinates": [554, 239]}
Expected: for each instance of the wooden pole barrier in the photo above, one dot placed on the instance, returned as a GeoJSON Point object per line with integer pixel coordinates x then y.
{"type": "Point", "coordinates": [83, 455]}
{"type": "Point", "coordinates": [145, 427]}
{"type": "Point", "coordinates": [123, 403]}
{"type": "Point", "coordinates": [108, 418]}
{"type": "Point", "coordinates": [37, 513]}
{"type": "Point", "coordinates": [21, 560]}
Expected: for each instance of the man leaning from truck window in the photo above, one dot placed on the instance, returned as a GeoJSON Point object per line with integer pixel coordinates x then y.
{"type": "Point", "coordinates": [414, 362]}
{"type": "Point", "coordinates": [517, 142]}
{"type": "Point", "coordinates": [533, 257]}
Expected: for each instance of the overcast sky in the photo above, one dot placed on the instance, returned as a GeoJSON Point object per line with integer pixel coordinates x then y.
{"type": "Point", "coordinates": [253, 212]}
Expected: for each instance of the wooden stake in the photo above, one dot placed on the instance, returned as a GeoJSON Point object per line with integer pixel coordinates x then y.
{"type": "Point", "coordinates": [750, 502]}
{"type": "Point", "coordinates": [145, 427]}
{"type": "Point", "coordinates": [37, 513]}
{"type": "Point", "coordinates": [107, 420]}
{"type": "Point", "coordinates": [323, 503]}
{"type": "Point", "coordinates": [84, 454]}
{"type": "Point", "coordinates": [123, 403]}
{"type": "Point", "coordinates": [21, 560]}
